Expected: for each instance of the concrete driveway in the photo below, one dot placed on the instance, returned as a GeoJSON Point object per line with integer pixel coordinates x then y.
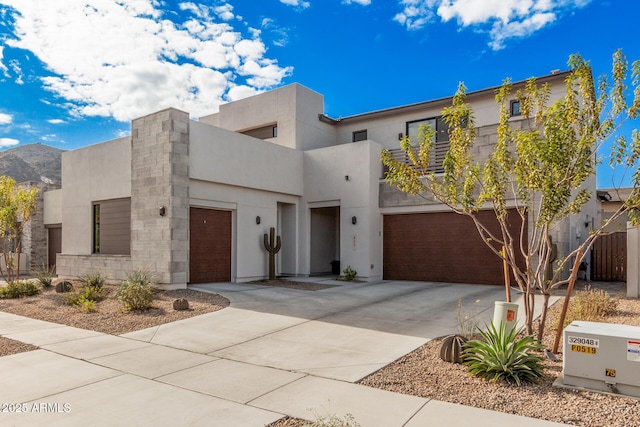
{"type": "Point", "coordinates": [274, 352]}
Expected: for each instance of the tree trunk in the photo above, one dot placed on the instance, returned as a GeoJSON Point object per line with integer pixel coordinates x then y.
{"type": "Point", "coordinates": [543, 317]}
{"type": "Point", "coordinates": [529, 307]}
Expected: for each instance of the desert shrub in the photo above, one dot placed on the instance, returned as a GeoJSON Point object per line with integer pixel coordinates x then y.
{"type": "Point", "coordinates": [86, 305]}
{"type": "Point", "coordinates": [19, 289]}
{"type": "Point", "coordinates": [591, 305]}
{"type": "Point", "coordinates": [467, 322]}
{"type": "Point", "coordinates": [334, 421]}
{"type": "Point", "coordinates": [142, 277]}
{"type": "Point", "coordinates": [82, 297]}
{"type": "Point", "coordinates": [348, 274]}
{"type": "Point", "coordinates": [135, 295]}
{"type": "Point", "coordinates": [94, 280]}
{"type": "Point", "coordinates": [502, 356]}
{"type": "Point", "coordinates": [44, 276]}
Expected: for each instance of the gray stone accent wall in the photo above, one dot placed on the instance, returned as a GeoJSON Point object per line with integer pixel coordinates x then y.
{"type": "Point", "coordinates": [113, 267]}
{"type": "Point", "coordinates": [35, 238]}
{"type": "Point", "coordinates": [160, 178]}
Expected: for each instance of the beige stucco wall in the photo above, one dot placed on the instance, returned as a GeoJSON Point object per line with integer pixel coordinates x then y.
{"type": "Point", "coordinates": [218, 155]}
{"type": "Point", "coordinates": [293, 108]}
{"type": "Point", "coordinates": [633, 261]}
{"type": "Point", "coordinates": [257, 176]}
{"type": "Point", "coordinates": [325, 172]}
{"type": "Point", "coordinates": [97, 172]}
{"type": "Point", "coordinates": [53, 207]}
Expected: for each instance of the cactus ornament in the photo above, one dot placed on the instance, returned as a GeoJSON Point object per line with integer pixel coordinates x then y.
{"type": "Point", "coordinates": [452, 348]}
{"type": "Point", "coordinates": [273, 250]}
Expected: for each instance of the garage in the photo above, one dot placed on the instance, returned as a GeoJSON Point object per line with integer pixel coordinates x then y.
{"type": "Point", "coordinates": [441, 247]}
{"type": "Point", "coordinates": [209, 245]}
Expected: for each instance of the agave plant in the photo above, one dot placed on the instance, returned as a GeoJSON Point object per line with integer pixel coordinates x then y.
{"type": "Point", "coordinates": [504, 357]}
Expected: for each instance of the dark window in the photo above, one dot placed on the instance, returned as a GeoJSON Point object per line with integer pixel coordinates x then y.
{"type": "Point", "coordinates": [515, 108]}
{"type": "Point", "coordinates": [96, 228]}
{"type": "Point", "coordinates": [441, 143]}
{"type": "Point", "coordinates": [263, 132]}
{"type": "Point", "coordinates": [112, 227]}
{"type": "Point", "coordinates": [360, 135]}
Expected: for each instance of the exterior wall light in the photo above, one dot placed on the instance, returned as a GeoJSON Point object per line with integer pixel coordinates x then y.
{"type": "Point", "coordinates": [162, 211]}
{"type": "Point", "coordinates": [354, 220]}
{"type": "Point", "coordinates": [257, 220]}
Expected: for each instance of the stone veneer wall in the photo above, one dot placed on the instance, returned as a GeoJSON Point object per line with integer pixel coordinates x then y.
{"type": "Point", "coordinates": [113, 267]}
{"type": "Point", "coordinates": [160, 178]}
{"type": "Point", "coordinates": [35, 238]}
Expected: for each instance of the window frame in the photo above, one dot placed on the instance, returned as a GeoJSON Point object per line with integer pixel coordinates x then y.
{"type": "Point", "coordinates": [512, 105]}
{"type": "Point", "coordinates": [356, 135]}
{"type": "Point", "coordinates": [118, 214]}
{"type": "Point", "coordinates": [440, 144]}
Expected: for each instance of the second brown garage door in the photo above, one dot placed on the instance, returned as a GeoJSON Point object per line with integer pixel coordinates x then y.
{"type": "Point", "coordinates": [441, 247]}
{"type": "Point", "coordinates": [209, 246]}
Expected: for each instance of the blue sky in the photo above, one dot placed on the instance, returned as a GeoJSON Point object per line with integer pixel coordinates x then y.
{"type": "Point", "coordinates": [75, 72]}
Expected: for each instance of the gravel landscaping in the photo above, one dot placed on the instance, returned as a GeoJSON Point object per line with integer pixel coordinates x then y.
{"type": "Point", "coordinates": [108, 317]}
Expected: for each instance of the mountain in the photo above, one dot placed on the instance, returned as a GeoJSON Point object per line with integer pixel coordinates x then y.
{"type": "Point", "coordinates": [32, 162]}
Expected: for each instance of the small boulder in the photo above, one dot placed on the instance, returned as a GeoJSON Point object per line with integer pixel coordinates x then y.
{"type": "Point", "coordinates": [64, 286]}
{"type": "Point", "coordinates": [181, 304]}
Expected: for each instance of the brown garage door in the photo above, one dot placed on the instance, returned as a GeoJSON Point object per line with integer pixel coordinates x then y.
{"type": "Point", "coordinates": [441, 247]}
{"type": "Point", "coordinates": [209, 246]}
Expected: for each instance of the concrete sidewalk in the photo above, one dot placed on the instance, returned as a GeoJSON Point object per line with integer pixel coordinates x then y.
{"type": "Point", "coordinates": [274, 352]}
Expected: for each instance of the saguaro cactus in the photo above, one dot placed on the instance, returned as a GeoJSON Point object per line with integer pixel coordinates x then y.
{"type": "Point", "coordinates": [273, 250]}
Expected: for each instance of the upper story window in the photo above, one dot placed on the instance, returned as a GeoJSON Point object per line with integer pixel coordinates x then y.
{"type": "Point", "coordinates": [441, 143]}
{"type": "Point", "coordinates": [263, 132]}
{"type": "Point", "coordinates": [359, 135]}
{"type": "Point", "coordinates": [514, 108]}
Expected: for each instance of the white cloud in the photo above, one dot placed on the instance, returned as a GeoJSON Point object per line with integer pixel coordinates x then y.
{"type": "Point", "coordinates": [362, 2]}
{"type": "Point", "coordinates": [8, 142]}
{"type": "Point", "coordinates": [124, 59]}
{"type": "Point", "coordinates": [15, 66]}
{"type": "Point", "coordinates": [502, 31]}
{"type": "Point", "coordinates": [3, 68]}
{"type": "Point", "coordinates": [56, 121]}
{"type": "Point", "coordinates": [224, 12]}
{"type": "Point", "coordinates": [501, 19]}
{"type": "Point", "coordinates": [415, 14]}
{"type": "Point", "coordinates": [5, 119]}
{"type": "Point", "coordinates": [279, 35]}
{"type": "Point", "coordinates": [242, 91]}
{"type": "Point", "coordinates": [296, 3]}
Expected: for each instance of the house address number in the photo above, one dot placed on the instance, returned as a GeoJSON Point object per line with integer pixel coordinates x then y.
{"type": "Point", "coordinates": [591, 342]}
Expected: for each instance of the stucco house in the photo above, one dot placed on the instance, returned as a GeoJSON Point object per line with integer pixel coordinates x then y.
{"type": "Point", "coordinates": [191, 200]}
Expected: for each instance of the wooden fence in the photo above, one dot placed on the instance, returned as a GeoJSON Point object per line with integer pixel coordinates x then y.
{"type": "Point", "coordinates": [609, 258]}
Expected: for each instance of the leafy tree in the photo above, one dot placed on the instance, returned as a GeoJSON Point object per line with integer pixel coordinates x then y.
{"type": "Point", "coordinates": [17, 206]}
{"type": "Point", "coordinates": [539, 167]}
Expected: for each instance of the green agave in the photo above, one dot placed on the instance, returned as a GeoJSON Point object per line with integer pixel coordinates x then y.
{"type": "Point", "coordinates": [502, 357]}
